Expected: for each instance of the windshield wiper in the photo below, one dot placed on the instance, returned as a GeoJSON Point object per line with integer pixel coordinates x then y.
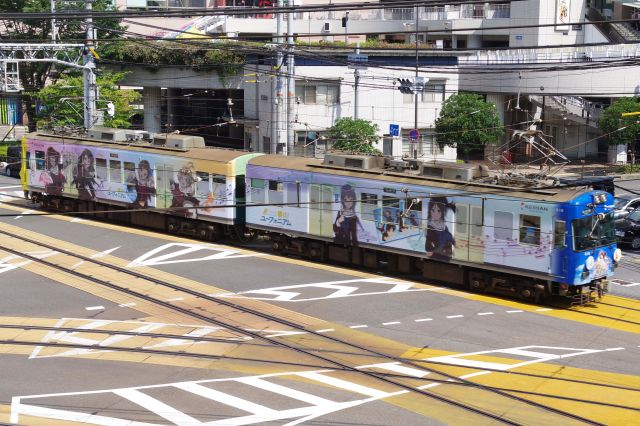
{"type": "Point", "coordinates": [599, 217]}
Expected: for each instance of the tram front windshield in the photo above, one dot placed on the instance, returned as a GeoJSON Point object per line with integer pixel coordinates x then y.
{"type": "Point", "coordinates": [589, 232]}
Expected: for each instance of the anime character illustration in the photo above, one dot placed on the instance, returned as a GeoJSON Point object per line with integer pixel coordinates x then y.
{"type": "Point", "coordinates": [346, 224]}
{"type": "Point", "coordinates": [387, 224]}
{"type": "Point", "coordinates": [52, 176]}
{"type": "Point", "coordinates": [144, 186]}
{"type": "Point", "coordinates": [602, 264]}
{"type": "Point", "coordinates": [563, 11]}
{"type": "Point", "coordinates": [440, 242]}
{"type": "Point", "coordinates": [183, 191]}
{"type": "Point", "coordinates": [84, 176]}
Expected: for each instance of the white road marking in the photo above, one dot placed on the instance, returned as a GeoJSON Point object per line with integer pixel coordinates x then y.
{"type": "Point", "coordinates": [338, 289]}
{"type": "Point", "coordinates": [423, 319]}
{"type": "Point", "coordinates": [160, 408]}
{"type": "Point", "coordinates": [175, 250]}
{"type": "Point", "coordinates": [396, 367]}
{"type": "Point", "coordinates": [485, 313]}
{"type": "Point", "coordinates": [203, 390]}
{"type": "Point", "coordinates": [127, 305]}
{"type": "Point", "coordinates": [517, 311]}
{"type": "Point", "coordinates": [614, 349]}
{"type": "Point", "coordinates": [391, 323]}
{"type": "Point", "coordinates": [24, 213]}
{"type": "Point", "coordinates": [175, 299]}
{"type": "Point", "coordinates": [359, 326]}
{"type": "Point", "coordinates": [455, 316]}
{"type": "Point", "coordinates": [10, 186]}
{"type": "Point", "coordinates": [94, 308]}
{"type": "Point", "coordinates": [132, 327]}
{"type": "Point", "coordinates": [78, 219]}
{"type": "Point", "coordinates": [544, 309]}
{"type": "Point", "coordinates": [524, 351]}
{"type": "Point", "coordinates": [325, 330]}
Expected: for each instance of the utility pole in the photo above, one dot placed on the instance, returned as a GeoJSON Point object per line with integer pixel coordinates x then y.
{"type": "Point", "coordinates": [415, 86]}
{"type": "Point", "coordinates": [356, 78]}
{"type": "Point", "coordinates": [53, 21]}
{"type": "Point", "coordinates": [291, 87]}
{"type": "Point", "coordinates": [276, 122]}
{"type": "Point", "coordinates": [89, 74]}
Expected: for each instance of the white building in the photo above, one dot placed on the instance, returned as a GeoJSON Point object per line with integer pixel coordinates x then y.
{"type": "Point", "coordinates": [533, 74]}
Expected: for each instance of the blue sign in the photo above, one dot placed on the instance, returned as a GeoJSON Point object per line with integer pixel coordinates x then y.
{"type": "Point", "coordinates": [414, 134]}
{"type": "Point", "coordinates": [394, 129]}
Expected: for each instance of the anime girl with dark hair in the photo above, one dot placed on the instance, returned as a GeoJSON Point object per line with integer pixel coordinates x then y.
{"type": "Point", "coordinates": [440, 242]}
{"type": "Point", "coordinates": [53, 177]}
{"type": "Point", "coordinates": [144, 185]}
{"type": "Point", "coordinates": [346, 224]}
{"type": "Point", "coordinates": [84, 176]}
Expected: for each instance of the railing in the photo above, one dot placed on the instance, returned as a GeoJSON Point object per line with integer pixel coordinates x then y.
{"type": "Point", "coordinates": [394, 14]}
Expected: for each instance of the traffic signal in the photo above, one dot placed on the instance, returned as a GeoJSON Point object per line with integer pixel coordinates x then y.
{"type": "Point", "coordinates": [406, 86]}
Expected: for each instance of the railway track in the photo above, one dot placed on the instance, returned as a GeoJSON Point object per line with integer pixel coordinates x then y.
{"type": "Point", "coordinates": [318, 339]}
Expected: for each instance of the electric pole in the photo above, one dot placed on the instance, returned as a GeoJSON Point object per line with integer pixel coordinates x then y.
{"type": "Point", "coordinates": [291, 88]}
{"type": "Point", "coordinates": [277, 118]}
{"type": "Point", "coordinates": [89, 71]}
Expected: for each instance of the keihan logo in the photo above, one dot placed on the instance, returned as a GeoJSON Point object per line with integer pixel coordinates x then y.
{"type": "Point", "coordinates": [534, 207]}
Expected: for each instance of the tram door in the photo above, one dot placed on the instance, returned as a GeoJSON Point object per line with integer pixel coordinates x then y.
{"type": "Point", "coordinates": [321, 210]}
{"type": "Point", "coordinates": [476, 239]}
{"type": "Point", "coordinates": [462, 232]}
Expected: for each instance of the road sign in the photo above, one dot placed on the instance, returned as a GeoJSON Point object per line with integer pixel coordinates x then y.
{"type": "Point", "coordinates": [414, 135]}
{"type": "Point", "coordinates": [394, 129]}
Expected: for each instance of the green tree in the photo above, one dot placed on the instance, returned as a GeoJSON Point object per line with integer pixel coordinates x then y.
{"type": "Point", "coordinates": [468, 122]}
{"type": "Point", "coordinates": [64, 101]}
{"type": "Point", "coordinates": [34, 75]}
{"type": "Point", "coordinates": [355, 136]}
{"type": "Point", "coordinates": [611, 120]}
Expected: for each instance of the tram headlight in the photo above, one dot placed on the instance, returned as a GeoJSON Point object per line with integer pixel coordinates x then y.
{"type": "Point", "coordinates": [589, 263]}
{"type": "Point", "coordinates": [617, 255]}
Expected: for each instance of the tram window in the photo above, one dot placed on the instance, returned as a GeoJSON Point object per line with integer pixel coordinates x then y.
{"type": "Point", "coordinates": [368, 203]}
{"type": "Point", "coordinates": [101, 168]}
{"type": "Point", "coordinates": [130, 173]}
{"type": "Point", "coordinates": [413, 213]}
{"type": "Point", "coordinates": [28, 160]}
{"type": "Point", "coordinates": [559, 232]}
{"type": "Point", "coordinates": [202, 184]}
{"type": "Point", "coordinates": [293, 194]}
{"type": "Point", "coordinates": [503, 225]}
{"type": "Point", "coordinates": [257, 190]}
{"type": "Point", "coordinates": [476, 221]}
{"type": "Point", "coordinates": [530, 229]}
{"type": "Point", "coordinates": [115, 172]}
{"type": "Point", "coordinates": [276, 192]}
{"type": "Point", "coordinates": [462, 219]}
{"type": "Point", "coordinates": [219, 179]}
{"type": "Point", "coordinates": [39, 160]}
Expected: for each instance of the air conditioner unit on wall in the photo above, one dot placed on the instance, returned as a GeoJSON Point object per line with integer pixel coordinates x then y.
{"type": "Point", "coordinates": [326, 27]}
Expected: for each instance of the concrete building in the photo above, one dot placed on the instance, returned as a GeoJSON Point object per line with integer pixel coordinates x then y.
{"type": "Point", "coordinates": [528, 70]}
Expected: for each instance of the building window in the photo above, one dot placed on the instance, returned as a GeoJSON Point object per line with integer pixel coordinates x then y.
{"type": "Point", "coordinates": [502, 226]}
{"type": "Point", "coordinates": [530, 229]}
{"type": "Point", "coordinates": [318, 94]}
{"type": "Point", "coordinates": [433, 91]}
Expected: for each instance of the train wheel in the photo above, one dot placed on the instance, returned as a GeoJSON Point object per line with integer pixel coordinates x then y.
{"type": "Point", "coordinates": [242, 234]}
